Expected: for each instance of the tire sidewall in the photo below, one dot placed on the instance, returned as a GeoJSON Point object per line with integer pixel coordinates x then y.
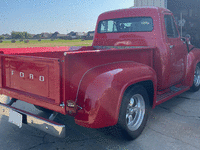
{"type": "Point", "coordinates": [195, 88]}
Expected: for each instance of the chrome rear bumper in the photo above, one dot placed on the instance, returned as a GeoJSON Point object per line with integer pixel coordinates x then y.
{"type": "Point", "coordinates": [38, 122]}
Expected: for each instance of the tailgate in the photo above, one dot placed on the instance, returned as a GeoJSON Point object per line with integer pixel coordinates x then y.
{"type": "Point", "coordinates": [37, 77]}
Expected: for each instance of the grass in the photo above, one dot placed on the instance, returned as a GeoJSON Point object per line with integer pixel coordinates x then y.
{"type": "Point", "coordinates": [45, 43]}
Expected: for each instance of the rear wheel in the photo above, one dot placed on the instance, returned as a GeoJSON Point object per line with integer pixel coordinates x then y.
{"type": "Point", "coordinates": [133, 112]}
{"type": "Point", "coordinates": [196, 82]}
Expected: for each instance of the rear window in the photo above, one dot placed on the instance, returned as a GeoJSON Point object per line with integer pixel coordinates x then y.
{"type": "Point", "coordinates": [136, 24]}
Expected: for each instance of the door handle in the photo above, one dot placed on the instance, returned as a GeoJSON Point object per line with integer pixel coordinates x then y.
{"type": "Point", "coordinates": [171, 46]}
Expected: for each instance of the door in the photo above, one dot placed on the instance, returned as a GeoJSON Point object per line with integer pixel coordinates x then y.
{"type": "Point", "coordinates": [177, 51]}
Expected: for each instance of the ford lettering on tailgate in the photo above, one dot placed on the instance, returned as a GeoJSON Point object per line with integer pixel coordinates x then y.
{"type": "Point", "coordinates": [24, 77]}
{"type": "Point", "coordinates": [33, 76]}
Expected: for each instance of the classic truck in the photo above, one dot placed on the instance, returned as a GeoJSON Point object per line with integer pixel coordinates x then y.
{"type": "Point", "coordinates": [137, 61]}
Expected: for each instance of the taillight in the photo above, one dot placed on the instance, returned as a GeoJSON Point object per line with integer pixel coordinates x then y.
{"type": "Point", "coordinates": [71, 103]}
{"type": "Point", "coordinates": [71, 107]}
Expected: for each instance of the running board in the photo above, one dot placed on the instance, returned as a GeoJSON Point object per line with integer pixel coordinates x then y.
{"type": "Point", "coordinates": [174, 91]}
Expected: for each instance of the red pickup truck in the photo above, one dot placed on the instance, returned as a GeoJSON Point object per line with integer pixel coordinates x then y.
{"type": "Point", "coordinates": [137, 61]}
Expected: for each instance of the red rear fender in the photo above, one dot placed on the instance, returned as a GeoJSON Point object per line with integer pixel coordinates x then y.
{"type": "Point", "coordinates": [101, 90]}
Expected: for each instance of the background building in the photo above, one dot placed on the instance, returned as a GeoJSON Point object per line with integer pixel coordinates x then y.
{"type": "Point", "coordinates": [159, 3]}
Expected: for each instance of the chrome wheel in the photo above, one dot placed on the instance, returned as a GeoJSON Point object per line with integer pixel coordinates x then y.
{"type": "Point", "coordinates": [135, 112]}
{"type": "Point", "coordinates": [197, 76]}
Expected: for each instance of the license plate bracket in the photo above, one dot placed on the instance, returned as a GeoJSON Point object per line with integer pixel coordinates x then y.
{"type": "Point", "coordinates": [15, 118]}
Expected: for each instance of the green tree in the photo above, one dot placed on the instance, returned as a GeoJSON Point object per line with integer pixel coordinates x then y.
{"type": "Point", "coordinates": [20, 35]}
{"type": "Point", "coordinates": [16, 35]}
{"type": "Point", "coordinates": [37, 36]}
{"type": "Point", "coordinates": [27, 35]}
{"type": "Point", "coordinates": [2, 37]}
{"type": "Point", "coordinates": [13, 34]}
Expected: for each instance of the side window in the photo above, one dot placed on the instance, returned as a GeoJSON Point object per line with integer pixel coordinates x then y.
{"type": "Point", "coordinates": [170, 26]}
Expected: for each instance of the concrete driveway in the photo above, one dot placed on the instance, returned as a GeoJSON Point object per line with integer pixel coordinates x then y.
{"type": "Point", "coordinates": [173, 125]}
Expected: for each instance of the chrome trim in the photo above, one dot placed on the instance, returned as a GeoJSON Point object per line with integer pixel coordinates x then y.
{"type": "Point", "coordinates": [62, 105]}
{"type": "Point", "coordinates": [119, 47]}
{"type": "Point", "coordinates": [53, 115]}
{"type": "Point", "coordinates": [79, 107]}
{"type": "Point", "coordinates": [35, 121]}
{"type": "Point", "coordinates": [65, 53]}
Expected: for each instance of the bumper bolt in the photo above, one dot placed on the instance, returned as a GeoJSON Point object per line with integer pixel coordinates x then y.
{"type": "Point", "coordinates": [65, 53]}
{"type": "Point", "coordinates": [47, 128]}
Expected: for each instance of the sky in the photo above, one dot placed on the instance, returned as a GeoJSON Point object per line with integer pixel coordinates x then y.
{"type": "Point", "coordinates": [64, 16]}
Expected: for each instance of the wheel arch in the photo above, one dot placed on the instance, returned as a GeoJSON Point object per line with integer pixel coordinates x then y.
{"type": "Point", "coordinates": [193, 59]}
{"type": "Point", "coordinates": [148, 85]}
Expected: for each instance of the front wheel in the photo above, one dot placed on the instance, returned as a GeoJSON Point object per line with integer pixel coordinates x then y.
{"type": "Point", "coordinates": [196, 82]}
{"type": "Point", "coordinates": [133, 112]}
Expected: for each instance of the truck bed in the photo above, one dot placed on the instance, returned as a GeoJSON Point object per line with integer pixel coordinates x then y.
{"type": "Point", "coordinates": [47, 77]}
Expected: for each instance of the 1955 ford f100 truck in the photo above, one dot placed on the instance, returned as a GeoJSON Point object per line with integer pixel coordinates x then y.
{"type": "Point", "coordinates": [137, 61]}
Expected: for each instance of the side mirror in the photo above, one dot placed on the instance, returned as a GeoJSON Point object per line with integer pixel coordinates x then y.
{"type": "Point", "coordinates": [188, 38]}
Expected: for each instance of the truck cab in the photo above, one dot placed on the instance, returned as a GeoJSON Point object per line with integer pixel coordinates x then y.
{"type": "Point", "coordinates": [143, 27]}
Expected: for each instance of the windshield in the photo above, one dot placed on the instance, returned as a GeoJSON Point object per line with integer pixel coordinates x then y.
{"type": "Point", "coordinates": [137, 24]}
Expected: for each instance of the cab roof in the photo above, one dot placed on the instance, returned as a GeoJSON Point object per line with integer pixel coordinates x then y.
{"type": "Point", "coordinates": [133, 12]}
